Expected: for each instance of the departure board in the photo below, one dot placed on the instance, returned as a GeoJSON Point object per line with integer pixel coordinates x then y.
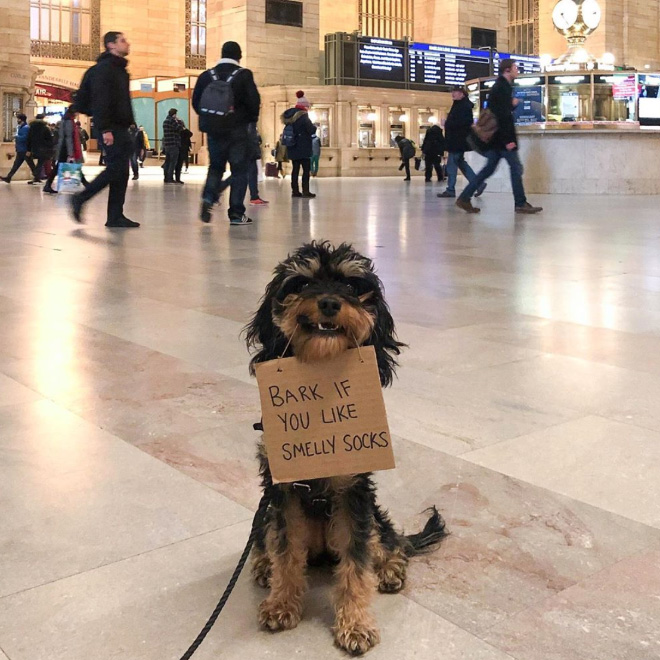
{"type": "Point", "coordinates": [430, 64]}
{"type": "Point", "coordinates": [382, 59]}
{"type": "Point", "coordinates": [526, 63]}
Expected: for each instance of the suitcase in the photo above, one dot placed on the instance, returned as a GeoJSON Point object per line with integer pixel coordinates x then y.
{"type": "Point", "coordinates": [271, 170]}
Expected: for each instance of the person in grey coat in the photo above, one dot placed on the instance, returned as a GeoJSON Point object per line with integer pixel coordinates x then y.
{"type": "Point", "coordinates": [316, 154]}
{"type": "Point", "coordinates": [68, 149]}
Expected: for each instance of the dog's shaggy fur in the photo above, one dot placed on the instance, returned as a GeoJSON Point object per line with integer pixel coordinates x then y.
{"type": "Point", "coordinates": [323, 300]}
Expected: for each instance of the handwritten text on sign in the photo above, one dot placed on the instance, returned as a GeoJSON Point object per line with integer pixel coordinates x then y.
{"type": "Point", "coordinates": [324, 419]}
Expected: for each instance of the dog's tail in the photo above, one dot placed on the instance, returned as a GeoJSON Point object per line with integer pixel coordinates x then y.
{"type": "Point", "coordinates": [426, 540]}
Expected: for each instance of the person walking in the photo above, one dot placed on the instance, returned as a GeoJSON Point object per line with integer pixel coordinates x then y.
{"type": "Point", "coordinates": [68, 150]}
{"type": "Point", "coordinates": [186, 146]}
{"type": "Point", "coordinates": [137, 137]}
{"type": "Point", "coordinates": [84, 136]}
{"type": "Point", "coordinates": [253, 169]}
{"type": "Point", "coordinates": [297, 138]}
{"type": "Point", "coordinates": [146, 148]}
{"type": "Point", "coordinates": [504, 144]}
{"type": "Point", "coordinates": [171, 145]}
{"type": "Point", "coordinates": [40, 146]}
{"type": "Point", "coordinates": [110, 99]}
{"type": "Point", "coordinates": [232, 92]}
{"type": "Point", "coordinates": [316, 154]}
{"type": "Point", "coordinates": [457, 130]}
{"type": "Point", "coordinates": [407, 151]}
{"type": "Point", "coordinates": [433, 149]}
{"type": "Point", "coordinates": [20, 141]}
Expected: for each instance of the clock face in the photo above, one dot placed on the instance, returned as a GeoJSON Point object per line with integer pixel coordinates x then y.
{"type": "Point", "coordinates": [591, 13]}
{"type": "Point", "coordinates": [564, 14]}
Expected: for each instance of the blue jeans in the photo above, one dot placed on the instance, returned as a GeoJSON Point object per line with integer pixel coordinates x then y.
{"type": "Point", "coordinates": [232, 148]}
{"type": "Point", "coordinates": [456, 161]}
{"type": "Point", "coordinates": [493, 158]}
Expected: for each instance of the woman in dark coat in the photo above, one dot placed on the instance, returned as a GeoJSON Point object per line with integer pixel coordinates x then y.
{"type": "Point", "coordinates": [68, 149]}
{"type": "Point", "coordinates": [433, 149]}
{"type": "Point", "coordinates": [300, 152]}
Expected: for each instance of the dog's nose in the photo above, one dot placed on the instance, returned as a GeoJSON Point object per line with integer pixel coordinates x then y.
{"type": "Point", "coordinates": [329, 306]}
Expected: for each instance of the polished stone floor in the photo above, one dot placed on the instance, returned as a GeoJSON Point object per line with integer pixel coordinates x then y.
{"type": "Point", "coordinates": [527, 408]}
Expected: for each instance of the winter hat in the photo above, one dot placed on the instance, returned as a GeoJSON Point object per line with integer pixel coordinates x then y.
{"type": "Point", "coordinates": [231, 50]}
{"type": "Point", "coordinates": [303, 103]}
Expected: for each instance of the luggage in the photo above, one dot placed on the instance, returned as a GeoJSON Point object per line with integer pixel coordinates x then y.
{"type": "Point", "coordinates": [271, 170]}
{"type": "Point", "coordinates": [69, 177]}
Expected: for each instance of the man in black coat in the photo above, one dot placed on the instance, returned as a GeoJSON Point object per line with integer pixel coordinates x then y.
{"type": "Point", "coordinates": [433, 149]}
{"type": "Point", "coordinates": [113, 115]}
{"type": "Point", "coordinates": [230, 145]}
{"type": "Point", "coordinates": [457, 129]}
{"type": "Point", "coordinates": [40, 145]}
{"type": "Point", "coordinates": [504, 143]}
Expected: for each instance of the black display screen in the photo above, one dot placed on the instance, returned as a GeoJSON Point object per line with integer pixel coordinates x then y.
{"type": "Point", "coordinates": [446, 65]}
{"type": "Point", "coordinates": [381, 59]}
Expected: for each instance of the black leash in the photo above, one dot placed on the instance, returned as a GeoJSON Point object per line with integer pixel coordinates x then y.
{"type": "Point", "coordinates": [256, 522]}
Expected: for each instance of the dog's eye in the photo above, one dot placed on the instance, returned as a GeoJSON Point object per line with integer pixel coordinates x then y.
{"type": "Point", "coordinates": [350, 288]}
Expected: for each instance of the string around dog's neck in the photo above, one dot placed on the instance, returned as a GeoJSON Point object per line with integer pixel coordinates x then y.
{"type": "Point", "coordinates": [286, 348]}
{"type": "Point", "coordinates": [357, 345]}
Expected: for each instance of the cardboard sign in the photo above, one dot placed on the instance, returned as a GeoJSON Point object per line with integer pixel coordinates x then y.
{"type": "Point", "coordinates": [324, 419]}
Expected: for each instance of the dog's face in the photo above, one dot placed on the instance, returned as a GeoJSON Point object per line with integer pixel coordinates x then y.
{"type": "Point", "coordinates": [322, 301]}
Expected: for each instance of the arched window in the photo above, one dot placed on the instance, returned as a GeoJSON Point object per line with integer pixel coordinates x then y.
{"type": "Point", "coordinates": [196, 34]}
{"type": "Point", "coordinates": [65, 29]}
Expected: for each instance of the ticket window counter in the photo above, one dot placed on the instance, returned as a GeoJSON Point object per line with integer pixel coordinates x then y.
{"type": "Point", "coordinates": [399, 119]}
{"type": "Point", "coordinates": [569, 98]}
{"type": "Point", "coordinates": [649, 100]}
{"type": "Point", "coordinates": [320, 117]}
{"type": "Point", "coordinates": [367, 127]}
{"type": "Point", "coordinates": [614, 97]}
{"type": "Point", "coordinates": [427, 118]}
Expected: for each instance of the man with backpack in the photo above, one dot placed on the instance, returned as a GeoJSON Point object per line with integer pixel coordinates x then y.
{"type": "Point", "coordinates": [227, 101]}
{"type": "Point", "coordinates": [104, 94]}
{"type": "Point", "coordinates": [297, 138]}
{"type": "Point", "coordinates": [503, 144]}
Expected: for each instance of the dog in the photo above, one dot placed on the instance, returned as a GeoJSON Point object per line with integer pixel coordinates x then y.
{"type": "Point", "coordinates": [322, 301]}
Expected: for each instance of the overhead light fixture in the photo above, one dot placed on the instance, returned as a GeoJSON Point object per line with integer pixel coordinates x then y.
{"type": "Point", "coordinates": [608, 58]}
{"type": "Point", "coordinates": [433, 119]}
{"type": "Point", "coordinates": [570, 80]}
{"type": "Point", "coordinates": [403, 117]}
{"type": "Point", "coordinates": [313, 116]}
{"type": "Point", "coordinates": [545, 60]}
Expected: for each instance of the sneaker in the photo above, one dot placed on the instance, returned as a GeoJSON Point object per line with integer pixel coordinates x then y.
{"type": "Point", "coordinates": [528, 209]}
{"type": "Point", "coordinates": [123, 222]}
{"type": "Point", "coordinates": [480, 190]}
{"type": "Point", "coordinates": [296, 194]}
{"type": "Point", "coordinates": [447, 194]}
{"type": "Point", "coordinates": [466, 205]}
{"type": "Point", "coordinates": [309, 195]}
{"type": "Point", "coordinates": [5, 179]}
{"type": "Point", "coordinates": [242, 220]}
{"type": "Point", "coordinates": [76, 208]}
{"type": "Point", "coordinates": [258, 202]}
{"type": "Point", "coordinates": [205, 212]}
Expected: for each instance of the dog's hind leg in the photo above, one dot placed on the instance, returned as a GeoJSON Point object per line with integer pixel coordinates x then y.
{"type": "Point", "coordinates": [390, 559]}
{"type": "Point", "coordinates": [286, 546]}
{"type": "Point", "coordinates": [261, 565]}
{"type": "Point", "coordinates": [350, 532]}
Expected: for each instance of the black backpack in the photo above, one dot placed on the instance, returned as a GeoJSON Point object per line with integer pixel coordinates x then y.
{"type": "Point", "coordinates": [216, 106]}
{"type": "Point", "coordinates": [82, 98]}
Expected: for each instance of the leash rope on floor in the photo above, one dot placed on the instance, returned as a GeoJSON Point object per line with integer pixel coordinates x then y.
{"type": "Point", "coordinates": [256, 522]}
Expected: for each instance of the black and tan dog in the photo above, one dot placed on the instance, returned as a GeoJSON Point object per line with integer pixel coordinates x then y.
{"type": "Point", "coordinates": [322, 301]}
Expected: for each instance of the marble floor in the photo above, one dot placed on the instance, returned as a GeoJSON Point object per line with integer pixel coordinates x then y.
{"type": "Point", "coordinates": [527, 408]}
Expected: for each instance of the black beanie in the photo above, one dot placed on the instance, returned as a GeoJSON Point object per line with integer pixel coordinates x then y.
{"type": "Point", "coordinates": [231, 50]}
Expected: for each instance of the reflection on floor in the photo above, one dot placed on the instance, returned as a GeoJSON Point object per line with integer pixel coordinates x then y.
{"type": "Point", "coordinates": [526, 407]}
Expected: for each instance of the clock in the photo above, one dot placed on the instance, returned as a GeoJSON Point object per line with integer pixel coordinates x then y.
{"type": "Point", "coordinates": [591, 14]}
{"type": "Point", "coordinates": [565, 14]}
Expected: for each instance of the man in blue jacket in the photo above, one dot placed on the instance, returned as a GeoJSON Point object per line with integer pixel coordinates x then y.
{"type": "Point", "coordinates": [21, 150]}
{"type": "Point", "coordinates": [504, 144]}
{"type": "Point", "coordinates": [230, 143]}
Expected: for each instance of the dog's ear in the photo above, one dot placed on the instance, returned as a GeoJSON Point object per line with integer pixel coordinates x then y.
{"type": "Point", "coordinates": [261, 334]}
{"type": "Point", "coordinates": [383, 338]}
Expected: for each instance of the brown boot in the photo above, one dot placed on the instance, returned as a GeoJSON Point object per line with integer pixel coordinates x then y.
{"type": "Point", "coordinates": [466, 205]}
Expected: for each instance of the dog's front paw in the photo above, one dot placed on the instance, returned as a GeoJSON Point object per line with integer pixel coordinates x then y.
{"type": "Point", "coordinates": [275, 615]}
{"type": "Point", "coordinates": [357, 638]}
{"type": "Point", "coordinates": [392, 579]}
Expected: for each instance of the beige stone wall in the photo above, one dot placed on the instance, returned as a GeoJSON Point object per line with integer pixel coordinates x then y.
{"type": "Point", "coordinates": [337, 16]}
